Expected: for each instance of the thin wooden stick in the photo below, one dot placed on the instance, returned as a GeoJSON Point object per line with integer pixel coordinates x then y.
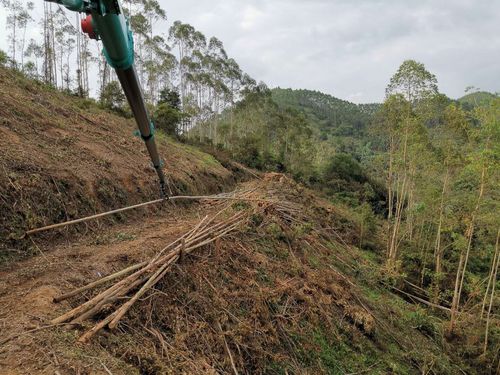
{"type": "Point", "coordinates": [108, 292]}
{"type": "Point", "coordinates": [160, 273]}
{"type": "Point", "coordinates": [196, 228]}
{"type": "Point", "coordinates": [88, 335]}
{"type": "Point", "coordinates": [421, 300]}
{"type": "Point", "coordinates": [100, 281]}
{"type": "Point", "coordinates": [90, 313]}
{"type": "Point", "coordinates": [180, 197]}
{"type": "Point", "coordinates": [228, 351]}
{"type": "Point", "coordinates": [89, 304]}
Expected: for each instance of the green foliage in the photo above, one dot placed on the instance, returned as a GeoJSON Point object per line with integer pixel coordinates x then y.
{"type": "Point", "coordinates": [170, 97]}
{"type": "Point", "coordinates": [112, 97]}
{"type": "Point", "coordinates": [261, 135]}
{"type": "Point", "coordinates": [477, 99]}
{"type": "Point", "coordinates": [167, 118]}
{"type": "Point", "coordinates": [418, 318]}
{"type": "Point", "coordinates": [344, 167]}
{"type": "Point", "coordinates": [327, 114]}
{"type": "Point", "coordinates": [4, 59]}
{"type": "Point", "coordinates": [412, 81]}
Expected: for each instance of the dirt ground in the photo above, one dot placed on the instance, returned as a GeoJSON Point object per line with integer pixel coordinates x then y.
{"type": "Point", "coordinates": [28, 287]}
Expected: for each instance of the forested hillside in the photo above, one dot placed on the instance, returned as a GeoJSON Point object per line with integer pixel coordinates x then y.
{"type": "Point", "coordinates": [430, 163]}
{"type": "Point", "coordinates": [331, 116]}
{"type": "Point", "coordinates": [475, 99]}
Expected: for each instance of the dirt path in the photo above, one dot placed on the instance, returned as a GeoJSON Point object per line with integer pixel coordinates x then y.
{"type": "Point", "coordinates": [27, 289]}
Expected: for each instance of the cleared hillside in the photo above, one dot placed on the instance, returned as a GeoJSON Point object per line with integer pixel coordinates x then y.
{"type": "Point", "coordinates": [62, 158]}
{"type": "Point", "coordinates": [286, 293]}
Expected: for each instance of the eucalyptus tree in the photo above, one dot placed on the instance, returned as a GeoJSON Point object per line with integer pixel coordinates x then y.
{"type": "Point", "coordinates": [83, 56]}
{"type": "Point", "coordinates": [451, 140]}
{"type": "Point", "coordinates": [234, 83]}
{"type": "Point", "coordinates": [18, 18]}
{"type": "Point", "coordinates": [24, 20]}
{"type": "Point", "coordinates": [49, 63]}
{"type": "Point", "coordinates": [482, 172]}
{"type": "Point", "coordinates": [140, 26]}
{"type": "Point", "coordinates": [182, 36]}
{"type": "Point", "coordinates": [409, 86]}
{"type": "Point", "coordinates": [216, 66]}
{"type": "Point", "coordinates": [155, 45]}
{"type": "Point", "coordinates": [34, 51]}
{"type": "Point", "coordinates": [390, 125]}
{"type": "Point", "coordinates": [157, 65]}
{"type": "Point", "coordinates": [64, 45]}
{"type": "Point", "coordinates": [413, 81]}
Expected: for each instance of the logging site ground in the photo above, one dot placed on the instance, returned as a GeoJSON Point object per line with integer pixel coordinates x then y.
{"type": "Point", "coordinates": [267, 278]}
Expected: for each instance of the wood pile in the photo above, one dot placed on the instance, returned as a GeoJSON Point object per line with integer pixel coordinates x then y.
{"type": "Point", "coordinates": [138, 279]}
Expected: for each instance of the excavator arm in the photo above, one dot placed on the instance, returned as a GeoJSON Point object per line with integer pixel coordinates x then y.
{"type": "Point", "coordinates": [106, 21]}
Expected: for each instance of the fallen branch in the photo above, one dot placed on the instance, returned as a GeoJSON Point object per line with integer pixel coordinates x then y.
{"type": "Point", "coordinates": [228, 350]}
{"type": "Point", "coordinates": [219, 197]}
{"type": "Point", "coordinates": [99, 282]}
{"type": "Point", "coordinates": [421, 300]}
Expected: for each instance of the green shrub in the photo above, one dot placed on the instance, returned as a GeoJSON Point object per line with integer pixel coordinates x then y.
{"type": "Point", "coordinates": [4, 59]}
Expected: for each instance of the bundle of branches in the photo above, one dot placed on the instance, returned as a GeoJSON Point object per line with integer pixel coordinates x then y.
{"type": "Point", "coordinates": [136, 280]}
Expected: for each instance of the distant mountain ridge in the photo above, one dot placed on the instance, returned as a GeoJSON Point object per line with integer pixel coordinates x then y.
{"type": "Point", "coordinates": [330, 115]}
{"type": "Point", "coordinates": [479, 98]}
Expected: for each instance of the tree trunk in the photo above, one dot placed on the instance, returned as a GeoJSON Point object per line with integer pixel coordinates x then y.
{"type": "Point", "coordinates": [401, 194]}
{"type": "Point", "coordinates": [437, 247]}
{"type": "Point", "coordinates": [494, 281]}
{"type": "Point", "coordinates": [464, 258]}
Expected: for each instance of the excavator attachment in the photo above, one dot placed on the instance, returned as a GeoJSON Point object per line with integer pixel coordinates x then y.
{"type": "Point", "coordinates": [106, 21]}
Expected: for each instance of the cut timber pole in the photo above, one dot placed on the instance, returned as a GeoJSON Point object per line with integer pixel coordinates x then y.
{"type": "Point", "coordinates": [141, 278]}
{"type": "Point", "coordinates": [157, 201]}
{"type": "Point", "coordinates": [101, 281]}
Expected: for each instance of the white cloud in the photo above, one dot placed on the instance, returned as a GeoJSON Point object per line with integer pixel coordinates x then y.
{"type": "Point", "coordinates": [251, 16]}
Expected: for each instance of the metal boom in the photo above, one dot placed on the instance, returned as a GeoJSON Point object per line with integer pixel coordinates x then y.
{"type": "Point", "coordinates": [106, 21]}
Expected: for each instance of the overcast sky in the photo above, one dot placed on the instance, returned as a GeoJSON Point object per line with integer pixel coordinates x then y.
{"type": "Point", "coordinates": [350, 48]}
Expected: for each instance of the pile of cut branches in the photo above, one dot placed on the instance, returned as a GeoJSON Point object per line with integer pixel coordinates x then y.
{"type": "Point", "coordinates": [136, 280]}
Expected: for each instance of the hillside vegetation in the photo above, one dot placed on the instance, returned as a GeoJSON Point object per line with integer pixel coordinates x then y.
{"type": "Point", "coordinates": [426, 165]}
{"type": "Point", "coordinates": [475, 99]}
{"type": "Point", "coordinates": [331, 116]}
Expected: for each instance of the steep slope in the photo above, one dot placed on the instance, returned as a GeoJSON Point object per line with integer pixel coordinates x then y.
{"type": "Point", "coordinates": [63, 158]}
{"type": "Point", "coordinates": [287, 293]}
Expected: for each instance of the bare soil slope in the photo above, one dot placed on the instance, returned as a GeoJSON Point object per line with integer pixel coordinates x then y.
{"type": "Point", "coordinates": [63, 158]}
